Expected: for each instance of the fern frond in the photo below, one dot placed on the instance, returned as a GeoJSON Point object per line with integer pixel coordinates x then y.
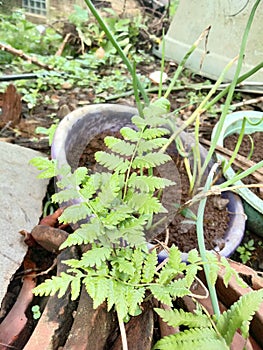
{"type": "Point", "coordinates": [112, 161]}
{"type": "Point", "coordinates": [153, 133]}
{"type": "Point", "coordinates": [47, 167]}
{"type": "Point", "coordinates": [71, 180]}
{"type": "Point", "coordinates": [98, 288]}
{"type": "Point", "coordinates": [59, 284]}
{"type": "Point", "coordinates": [173, 266]}
{"type": "Point", "coordinates": [179, 288]}
{"type": "Point", "coordinates": [149, 267]}
{"type": "Point", "coordinates": [119, 146]}
{"type": "Point", "coordinates": [95, 256]}
{"type": "Point", "coordinates": [240, 312]}
{"type": "Point", "coordinates": [231, 272]}
{"type": "Point", "coordinates": [194, 338]}
{"type": "Point", "coordinates": [132, 231]}
{"type": "Point", "coordinates": [134, 297]}
{"type": "Point", "coordinates": [144, 203]}
{"type": "Point", "coordinates": [130, 134]}
{"type": "Point", "coordinates": [150, 145]}
{"type": "Point", "coordinates": [179, 317]}
{"type": "Point", "coordinates": [118, 214]}
{"type": "Point", "coordinates": [213, 267]}
{"type": "Point", "coordinates": [150, 160]}
{"type": "Point", "coordinates": [92, 184]}
{"type": "Point", "coordinates": [148, 183]}
{"type": "Point", "coordinates": [75, 213]}
{"type": "Point", "coordinates": [65, 195]}
{"type": "Point", "coordinates": [162, 294]}
{"type": "Point", "coordinates": [138, 257]}
{"type": "Point", "coordinates": [87, 233]}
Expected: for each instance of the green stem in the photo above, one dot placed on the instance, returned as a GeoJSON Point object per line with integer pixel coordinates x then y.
{"type": "Point", "coordinates": [185, 58]}
{"type": "Point", "coordinates": [115, 44]}
{"type": "Point", "coordinates": [239, 80]}
{"type": "Point", "coordinates": [231, 87]}
{"type": "Point", "coordinates": [201, 242]}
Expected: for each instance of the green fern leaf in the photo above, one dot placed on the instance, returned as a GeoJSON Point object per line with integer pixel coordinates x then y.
{"type": "Point", "coordinates": [193, 257]}
{"type": "Point", "coordinates": [150, 160]}
{"type": "Point", "coordinates": [240, 312]}
{"type": "Point", "coordinates": [132, 231]}
{"type": "Point", "coordinates": [75, 288]}
{"type": "Point", "coordinates": [195, 338]}
{"type": "Point", "coordinates": [95, 256]}
{"type": "Point", "coordinates": [157, 108]}
{"type": "Point", "coordinates": [87, 233]}
{"type": "Point", "coordinates": [65, 195]}
{"type": "Point", "coordinates": [139, 122]}
{"type": "Point", "coordinates": [213, 267]}
{"type": "Point", "coordinates": [191, 272]}
{"type": "Point", "coordinates": [112, 161]}
{"type": "Point", "coordinates": [47, 166]}
{"type": "Point", "coordinates": [130, 134]}
{"type": "Point", "coordinates": [117, 215]}
{"type": "Point", "coordinates": [146, 204]}
{"type": "Point", "coordinates": [149, 267]}
{"type": "Point", "coordinates": [55, 284]}
{"type": "Point", "coordinates": [117, 297]}
{"type": "Point", "coordinates": [231, 272]}
{"type": "Point", "coordinates": [179, 317]}
{"type": "Point", "coordinates": [179, 288]}
{"type": "Point", "coordinates": [150, 134]}
{"type": "Point", "coordinates": [92, 184]}
{"type": "Point", "coordinates": [161, 293]}
{"type": "Point", "coordinates": [150, 145]}
{"type": "Point", "coordinates": [75, 213]}
{"type": "Point", "coordinates": [134, 298]}
{"type": "Point", "coordinates": [148, 183]}
{"type": "Point", "coordinates": [71, 180]}
{"type": "Point", "coordinates": [138, 257]}
{"type": "Point", "coordinates": [119, 146]}
{"type": "Point", "coordinates": [97, 287]}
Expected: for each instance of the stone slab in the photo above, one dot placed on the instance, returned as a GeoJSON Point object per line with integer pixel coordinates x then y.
{"type": "Point", "coordinates": [21, 195]}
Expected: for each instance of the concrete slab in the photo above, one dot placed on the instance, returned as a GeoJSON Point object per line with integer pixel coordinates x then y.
{"type": "Point", "coordinates": [21, 195]}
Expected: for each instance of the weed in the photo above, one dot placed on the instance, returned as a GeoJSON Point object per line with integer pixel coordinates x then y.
{"type": "Point", "coordinates": [245, 251]}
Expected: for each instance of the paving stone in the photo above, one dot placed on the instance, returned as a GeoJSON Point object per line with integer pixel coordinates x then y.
{"type": "Point", "coordinates": [21, 195]}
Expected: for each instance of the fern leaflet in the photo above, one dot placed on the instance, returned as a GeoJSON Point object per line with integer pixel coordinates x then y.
{"type": "Point", "coordinates": [177, 318]}
{"type": "Point", "coordinates": [239, 313]}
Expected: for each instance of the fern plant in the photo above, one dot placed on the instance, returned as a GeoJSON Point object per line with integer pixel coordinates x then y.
{"type": "Point", "coordinates": [117, 205]}
{"type": "Point", "coordinates": [205, 333]}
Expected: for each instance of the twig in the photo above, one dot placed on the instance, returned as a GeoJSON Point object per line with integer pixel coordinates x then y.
{"type": "Point", "coordinates": [244, 103]}
{"type": "Point", "coordinates": [62, 46]}
{"type": "Point", "coordinates": [21, 54]}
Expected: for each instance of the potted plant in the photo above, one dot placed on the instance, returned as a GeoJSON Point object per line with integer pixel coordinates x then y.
{"type": "Point", "coordinates": [243, 123]}
{"type": "Point", "coordinates": [114, 207]}
{"type": "Point", "coordinates": [78, 128]}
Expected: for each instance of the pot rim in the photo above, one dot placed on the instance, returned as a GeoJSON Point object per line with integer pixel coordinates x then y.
{"type": "Point", "coordinates": [232, 125]}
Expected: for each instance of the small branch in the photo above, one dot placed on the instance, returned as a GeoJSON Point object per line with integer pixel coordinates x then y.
{"type": "Point", "coordinates": [123, 334]}
{"type": "Point", "coordinates": [62, 46]}
{"type": "Point", "coordinates": [25, 57]}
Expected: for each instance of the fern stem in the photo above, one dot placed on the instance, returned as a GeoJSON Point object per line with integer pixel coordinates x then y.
{"type": "Point", "coordinates": [123, 333]}
{"type": "Point", "coordinates": [201, 242]}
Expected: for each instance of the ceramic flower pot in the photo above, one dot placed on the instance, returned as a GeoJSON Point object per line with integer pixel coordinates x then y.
{"type": "Point", "coordinates": [79, 127]}
{"type": "Point", "coordinates": [253, 205]}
